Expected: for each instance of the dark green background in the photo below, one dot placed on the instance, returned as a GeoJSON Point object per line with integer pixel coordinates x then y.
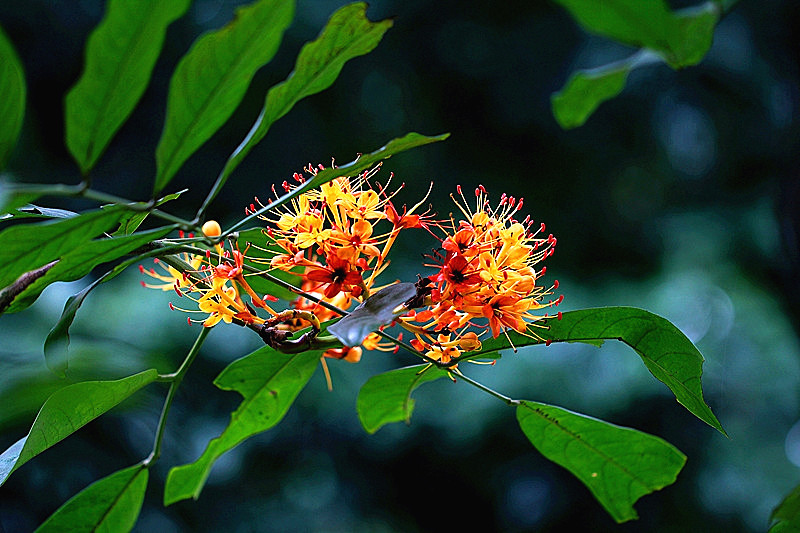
{"type": "Point", "coordinates": [680, 196]}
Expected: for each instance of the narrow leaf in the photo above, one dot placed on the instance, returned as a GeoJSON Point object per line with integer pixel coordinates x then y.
{"type": "Point", "coordinates": [667, 353]}
{"type": "Point", "coordinates": [30, 246]}
{"type": "Point", "coordinates": [211, 80]}
{"type": "Point", "coordinates": [268, 381]}
{"type": "Point", "coordinates": [120, 56]}
{"type": "Point", "coordinates": [587, 89]}
{"type": "Point", "coordinates": [375, 311]}
{"type": "Point", "coordinates": [347, 35]}
{"type": "Point", "coordinates": [68, 410]}
{"type": "Point", "coordinates": [109, 504]}
{"type": "Point", "coordinates": [386, 398]}
{"type": "Point", "coordinates": [82, 259]}
{"type": "Point", "coordinates": [619, 465]}
{"type": "Point", "coordinates": [12, 98]}
{"type": "Point", "coordinates": [787, 515]}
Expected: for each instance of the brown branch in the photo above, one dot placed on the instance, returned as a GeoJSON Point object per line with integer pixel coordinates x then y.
{"type": "Point", "coordinates": [8, 294]}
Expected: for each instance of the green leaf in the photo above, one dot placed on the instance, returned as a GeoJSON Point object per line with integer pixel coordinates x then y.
{"type": "Point", "coordinates": [619, 465]}
{"type": "Point", "coordinates": [268, 381]}
{"type": "Point", "coordinates": [82, 259]}
{"type": "Point", "coordinates": [109, 504]}
{"type": "Point", "coordinates": [587, 89]}
{"type": "Point", "coordinates": [30, 246]}
{"type": "Point", "coordinates": [386, 398]}
{"type": "Point", "coordinates": [68, 410]}
{"type": "Point", "coordinates": [347, 35]}
{"type": "Point", "coordinates": [667, 353]}
{"type": "Point", "coordinates": [120, 57]}
{"type": "Point", "coordinates": [375, 311]}
{"type": "Point", "coordinates": [787, 514]}
{"type": "Point", "coordinates": [682, 38]}
{"type": "Point", "coordinates": [12, 98]}
{"type": "Point", "coordinates": [212, 78]}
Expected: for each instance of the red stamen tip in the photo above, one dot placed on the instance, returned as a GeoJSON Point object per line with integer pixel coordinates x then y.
{"type": "Point", "coordinates": [559, 315]}
{"type": "Point", "coordinates": [141, 269]}
{"type": "Point", "coordinates": [547, 342]}
{"type": "Point", "coordinates": [172, 307]}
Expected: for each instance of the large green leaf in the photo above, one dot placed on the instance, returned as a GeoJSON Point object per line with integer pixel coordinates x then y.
{"type": "Point", "coordinates": [347, 35]}
{"type": "Point", "coordinates": [12, 98]}
{"type": "Point", "coordinates": [30, 246]}
{"type": "Point", "coordinates": [109, 504]}
{"type": "Point", "coordinates": [269, 381]}
{"type": "Point", "coordinates": [386, 398]}
{"type": "Point", "coordinates": [82, 259]}
{"type": "Point", "coordinates": [68, 410]}
{"type": "Point", "coordinates": [667, 353]}
{"type": "Point", "coordinates": [212, 78]}
{"type": "Point", "coordinates": [682, 38]}
{"type": "Point", "coordinates": [353, 168]}
{"type": "Point", "coordinates": [120, 56]}
{"type": "Point", "coordinates": [619, 465]}
{"type": "Point", "coordinates": [787, 514]}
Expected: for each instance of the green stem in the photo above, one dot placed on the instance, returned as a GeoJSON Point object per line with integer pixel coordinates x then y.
{"type": "Point", "coordinates": [484, 388]}
{"type": "Point", "coordinates": [175, 379]}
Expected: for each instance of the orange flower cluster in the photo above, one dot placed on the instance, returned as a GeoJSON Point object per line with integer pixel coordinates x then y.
{"type": "Point", "coordinates": [215, 287]}
{"type": "Point", "coordinates": [485, 279]}
{"type": "Point", "coordinates": [331, 238]}
{"type": "Point", "coordinates": [337, 238]}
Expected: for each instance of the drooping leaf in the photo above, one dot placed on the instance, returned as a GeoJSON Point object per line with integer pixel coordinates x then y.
{"type": "Point", "coordinates": [665, 351]}
{"type": "Point", "coordinates": [12, 98]}
{"type": "Point", "coordinates": [786, 516]}
{"type": "Point", "coordinates": [268, 381]}
{"type": "Point", "coordinates": [619, 465]}
{"type": "Point", "coordinates": [682, 38]}
{"type": "Point", "coordinates": [68, 410]}
{"type": "Point", "coordinates": [212, 78]}
{"type": "Point", "coordinates": [30, 246]}
{"type": "Point", "coordinates": [375, 311]}
{"type": "Point", "coordinates": [82, 259]}
{"type": "Point", "coordinates": [36, 211]}
{"type": "Point", "coordinates": [347, 35]}
{"type": "Point", "coordinates": [353, 168]}
{"type": "Point", "coordinates": [120, 56]}
{"type": "Point", "coordinates": [109, 504]}
{"type": "Point", "coordinates": [386, 398]}
{"type": "Point", "coordinates": [587, 89]}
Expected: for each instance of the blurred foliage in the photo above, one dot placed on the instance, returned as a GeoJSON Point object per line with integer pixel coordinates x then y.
{"type": "Point", "coordinates": [679, 195]}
